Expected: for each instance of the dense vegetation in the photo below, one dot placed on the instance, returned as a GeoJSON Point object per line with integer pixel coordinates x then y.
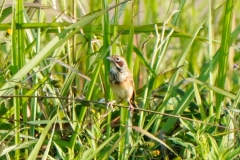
{"type": "Point", "coordinates": [54, 79]}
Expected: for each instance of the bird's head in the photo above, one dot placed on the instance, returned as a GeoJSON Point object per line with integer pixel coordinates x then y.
{"type": "Point", "coordinates": [118, 63]}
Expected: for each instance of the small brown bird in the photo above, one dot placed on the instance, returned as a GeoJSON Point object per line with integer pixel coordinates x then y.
{"type": "Point", "coordinates": [121, 81]}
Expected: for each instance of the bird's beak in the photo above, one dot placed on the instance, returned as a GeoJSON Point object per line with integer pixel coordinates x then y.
{"type": "Point", "coordinates": [110, 58]}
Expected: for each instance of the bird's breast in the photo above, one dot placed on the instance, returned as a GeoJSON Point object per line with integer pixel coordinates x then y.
{"type": "Point", "coordinates": [122, 90]}
{"type": "Point", "coordinates": [121, 85]}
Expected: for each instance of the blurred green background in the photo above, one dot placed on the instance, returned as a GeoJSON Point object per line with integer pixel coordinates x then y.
{"type": "Point", "coordinates": [54, 79]}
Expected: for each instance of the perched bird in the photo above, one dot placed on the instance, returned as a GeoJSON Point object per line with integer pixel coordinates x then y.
{"type": "Point", "coordinates": [121, 81]}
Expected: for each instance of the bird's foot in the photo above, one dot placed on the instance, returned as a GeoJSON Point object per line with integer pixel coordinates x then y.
{"type": "Point", "coordinates": [130, 107]}
{"type": "Point", "coordinates": [111, 105]}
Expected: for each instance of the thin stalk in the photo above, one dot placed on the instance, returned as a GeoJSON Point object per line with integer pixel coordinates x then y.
{"type": "Point", "coordinates": [115, 28]}
{"type": "Point", "coordinates": [21, 59]}
{"type": "Point", "coordinates": [126, 116]}
{"type": "Point", "coordinates": [15, 64]}
{"type": "Point", "coordinates": [114, 49]}
{"type": "Point", "coordinates": [35, 80]}
{"type": "Point", "coordinates": [72, 45]}
{"type": "Point", "coordinates": [210, 51]}
{"type": "Point", "coordinates": [106, 45]}
{"type": "Point", "coordinates": [3, 4]}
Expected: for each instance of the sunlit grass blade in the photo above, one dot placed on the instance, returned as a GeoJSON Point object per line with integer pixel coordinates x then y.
{"type": "Point", "coordinates": [37, 147]}
{"type": "Point", "coordinates": [223, 56]}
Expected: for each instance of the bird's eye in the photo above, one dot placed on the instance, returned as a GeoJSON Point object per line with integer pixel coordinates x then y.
{"type": "Point", "coordinates": [117, 59]}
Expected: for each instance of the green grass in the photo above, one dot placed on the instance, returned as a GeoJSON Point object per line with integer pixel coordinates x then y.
{"type": "Point", "coordinates": [54, 79]}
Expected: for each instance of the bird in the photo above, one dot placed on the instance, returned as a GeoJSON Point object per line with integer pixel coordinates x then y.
{"type": "Point", "coordinates": [121, 81]}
